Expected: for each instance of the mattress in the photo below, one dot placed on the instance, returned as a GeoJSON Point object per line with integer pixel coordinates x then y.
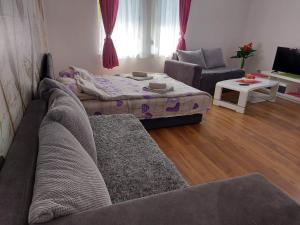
{"type": "Point", "coordinates": [183, 101]}
{"type": "Point", "coordinates": [150, 108]}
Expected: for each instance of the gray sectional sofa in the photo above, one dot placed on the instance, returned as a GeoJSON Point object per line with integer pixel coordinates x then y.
{"type": "Point", "coordinates": [201, 69]}
{"type": "Point", "coordinates": [58, 173]}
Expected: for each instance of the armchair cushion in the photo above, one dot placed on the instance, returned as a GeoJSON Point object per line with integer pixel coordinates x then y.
{"type": "Point", "coordinates": [213, 58]}
{"type": "Point", "coordinates": [187, 73]}
{"type": "Point", "coordinates": [224, 70]}
{"type": "Point", "coordinates": [195, 57]}
{"type": "Point", "coordinates": [210, 77]}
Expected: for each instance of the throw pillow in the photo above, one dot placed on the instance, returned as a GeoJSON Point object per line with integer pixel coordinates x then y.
{"type": "Point", "coordinates": [213, 58]}
{"type": "Point", "coordinates": [67, 181]}
{"type": "Point", "coordinates": [47, 86]}
{"type": "Point", "coordinates": [195, 57]}
{"type": "Point", "coordinates": [64, 110]}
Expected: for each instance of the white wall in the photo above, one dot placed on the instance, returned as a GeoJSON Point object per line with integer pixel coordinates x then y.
{"type": "Point", "coordinates": [218, 23]}
{"type": "Point", "coordinates": [73, 34]}
{"type": "Point", "coordinates": [272, 23]}
{"type": "Point", "coordinates": [73, 38]}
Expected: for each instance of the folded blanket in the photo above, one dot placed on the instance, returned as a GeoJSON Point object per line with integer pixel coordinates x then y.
{"type": "Point", "coordinates": [157, 85]}
{"type": "Point", "coordinates": [89, 87]}
{"type": "Point", "coordinates": [84, 74]}
{"type": "Point", "coordinates": [140, 78]}
{"type": "Point", "coordinates": [139, 74]}
{"type": "Point", "coordinates": [159, 91]}
{"type": "Point", "coordinates": [114, 88]}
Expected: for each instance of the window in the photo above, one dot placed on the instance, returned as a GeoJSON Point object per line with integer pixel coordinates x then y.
{"type": "Point", "coordinates": [165, 27]}
{"type": "Point", "coordinates": [144, 28]}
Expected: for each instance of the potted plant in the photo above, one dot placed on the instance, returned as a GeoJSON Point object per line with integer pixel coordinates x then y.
{"type": "Point", "coordinates": [244, 53]}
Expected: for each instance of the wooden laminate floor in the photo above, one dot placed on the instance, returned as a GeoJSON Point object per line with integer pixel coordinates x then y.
{"type": "Point", "coordinates": [266, 139]}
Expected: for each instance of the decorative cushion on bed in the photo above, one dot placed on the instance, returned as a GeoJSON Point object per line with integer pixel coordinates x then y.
{"type": "Point", "coordinates": [47, 86]}
{"type": "Point", "coordinates": [64, 110]}
{"type": "Point", "coordinates": [195, 57]}
{"type": "Point", "coordinates": [67, 179]}
{"type": "Point", "coordinates": [213, 58]}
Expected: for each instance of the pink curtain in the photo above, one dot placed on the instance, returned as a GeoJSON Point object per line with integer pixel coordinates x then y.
{"type": "Point", "coordinates": [109, 10]}
{"type": "Point", "coordinates": [184, 11]}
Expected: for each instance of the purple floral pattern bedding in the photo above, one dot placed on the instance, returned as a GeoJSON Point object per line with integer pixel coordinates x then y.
{"type": "Point", "coordinates": [109, 87]}
{"type": "Point", "coordinates": [151, 108]}
{"type": "Point", "coordinates": [184, 100]}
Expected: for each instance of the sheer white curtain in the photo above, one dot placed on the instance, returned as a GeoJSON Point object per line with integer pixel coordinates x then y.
{"type": "Point", "coordinates": [165, 26]}
{"type": "Point", "coordinates": [144, 28]}
{"type": "Point", "coordinates": [130, 33]}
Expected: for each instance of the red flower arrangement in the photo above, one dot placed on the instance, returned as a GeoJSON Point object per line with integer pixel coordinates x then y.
{"type": "Point", "coordinates": [244, 53]}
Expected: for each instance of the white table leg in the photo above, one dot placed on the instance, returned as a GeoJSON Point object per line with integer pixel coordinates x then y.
{"type": "Point", "coordinates": [242, 103]}
{"type": "Point", "coordinates": [273, 93]}
{"type": "Point", "coordinates": [218, 95]}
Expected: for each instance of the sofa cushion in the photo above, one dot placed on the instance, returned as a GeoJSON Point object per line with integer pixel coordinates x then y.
{"type": "Point", "coordinates": [64, 110]}
{"type": "Point", "coordinates": [132, 164]}
{"type": "Point", "coordinates": [47, 67]}
{"type": "Point", "coordinates": [213, 58]}
{"type": "Point", "coordinates": [249, 200]}
{"type": "Point", "coordinates": [47, 86]}
{"type": "Point", "coordinates": [67, 180]}
{"type": "Point", "coordinates": [195, 57]}
{"type": "Point", "coordinates": [1, 162]}
{"type": "Point", "coordinates": [17, 174]}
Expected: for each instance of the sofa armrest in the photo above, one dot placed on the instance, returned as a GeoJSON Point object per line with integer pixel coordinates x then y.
{"type": "Point", "coordinates": [182, 71]}
{"type": "Point", "coordinates": [245, 200]}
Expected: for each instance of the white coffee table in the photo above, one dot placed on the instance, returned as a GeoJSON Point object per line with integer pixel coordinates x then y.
{"type": "Point", "coordinates": [269, 86]}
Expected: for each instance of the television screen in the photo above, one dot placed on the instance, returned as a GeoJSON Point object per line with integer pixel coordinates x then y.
{"type": "Point", "coordinates": [287, 60]}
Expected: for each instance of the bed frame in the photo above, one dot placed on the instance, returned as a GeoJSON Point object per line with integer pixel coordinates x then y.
{"type": "Point", "coordinates": [48, 71]}
{"type": "Point", "coordinates": [171, 121]}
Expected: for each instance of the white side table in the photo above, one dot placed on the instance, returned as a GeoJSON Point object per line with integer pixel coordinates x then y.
{"type": "Point", "coordinates": [244, 92]}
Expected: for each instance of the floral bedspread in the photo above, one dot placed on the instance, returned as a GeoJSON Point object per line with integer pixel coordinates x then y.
{"type": "Point", "coordinates": [127, 96]}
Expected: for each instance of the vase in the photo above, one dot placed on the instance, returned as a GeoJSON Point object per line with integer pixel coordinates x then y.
{"type": "Point", "coordinates": [243, 63]}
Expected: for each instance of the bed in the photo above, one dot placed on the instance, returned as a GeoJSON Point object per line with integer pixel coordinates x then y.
{"type": "Point", "coordinates": [184, 105]}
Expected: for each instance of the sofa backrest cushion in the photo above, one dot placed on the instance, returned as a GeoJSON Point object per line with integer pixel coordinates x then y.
{"type": "Point", "coordinates": [194, 57]}
{"type": "Point", "coordinates": [47, 86]}
{"type": "Point", "coordinates": [17, 174]}
{"type": "Point", "coordinates": [47, 70]}
{"type": "Point", "coordinates": [64, 110]}
{"type": "Point", "coordinates": [1, 162]}
{"type": "Point", "coordinates": [67, 180]}
{"type": "Point", "coordinates": [213, 58]}
{"type": "Point", "coordinates": [174, 56]}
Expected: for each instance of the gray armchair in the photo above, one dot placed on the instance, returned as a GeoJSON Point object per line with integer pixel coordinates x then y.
{"type": "Point", "coordinates": [203, 75]}
{"type": "Point", "coordinates": [187, 73]}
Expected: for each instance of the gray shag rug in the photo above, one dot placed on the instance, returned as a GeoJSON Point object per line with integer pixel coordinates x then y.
{"type": "Point", "coordinates": [131, 163]}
